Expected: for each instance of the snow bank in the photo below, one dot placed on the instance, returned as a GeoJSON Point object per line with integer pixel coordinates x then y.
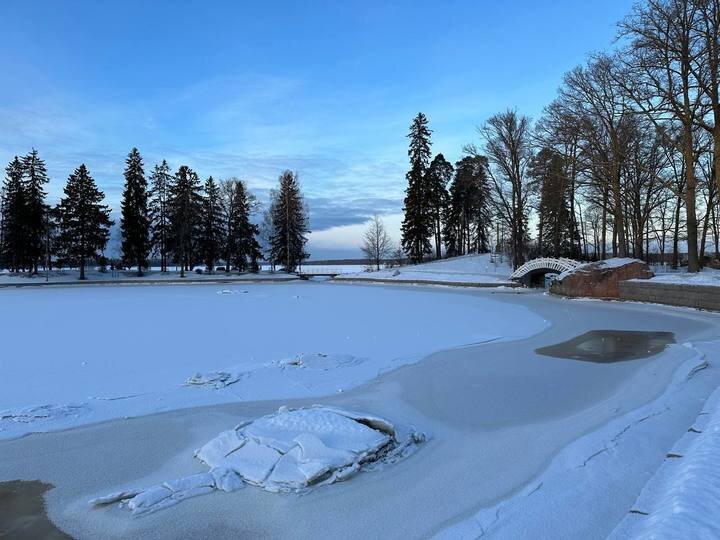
{"type": "Point", "coordinates": [287, 451]}
{"type": "Point", "coordinates": [475, 269]}
{"type": "Point", "coordinates": [684, 495]}
{"type": "Point", "coordinates": [707, 276]}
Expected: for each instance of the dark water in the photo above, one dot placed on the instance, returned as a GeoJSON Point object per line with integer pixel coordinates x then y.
{"type": "Point", "coordinates": [606, 346]}
{"type": "Point", "coordinates": [22, 512]}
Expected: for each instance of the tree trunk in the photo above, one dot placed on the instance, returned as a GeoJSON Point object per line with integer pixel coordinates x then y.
{"type": "Point", "coordinates": [691, 218]}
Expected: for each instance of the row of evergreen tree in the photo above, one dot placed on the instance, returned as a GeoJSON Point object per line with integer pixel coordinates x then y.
{"type": "Point", "coordinates": [444, 205]}
{"type": "Point", "coordinates": [171, 216]}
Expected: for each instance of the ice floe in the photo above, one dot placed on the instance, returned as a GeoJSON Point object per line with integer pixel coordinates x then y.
{"type": "Point", "coordinates": [290, 450]}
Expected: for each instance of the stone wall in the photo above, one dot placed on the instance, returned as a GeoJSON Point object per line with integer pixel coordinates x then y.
{"type": "Point", "coordinates": [672, 294]}
{"type": "Point", "coordinates": [600, 279]}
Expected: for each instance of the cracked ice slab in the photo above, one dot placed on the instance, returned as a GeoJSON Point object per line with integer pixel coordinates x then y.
{"type": "Point", "coordinates": [289, 450]}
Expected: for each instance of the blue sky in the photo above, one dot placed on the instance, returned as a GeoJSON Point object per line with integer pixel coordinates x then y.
{"type": "Point", "coordinates": [251, 88]}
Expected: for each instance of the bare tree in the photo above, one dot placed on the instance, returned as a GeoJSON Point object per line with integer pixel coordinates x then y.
{"type": "Point", "coordinates": [661, 81]}
{"type": "Point", "coordinates": [376, 242]}
{"type": "Point", "coordinates": [509, 151]}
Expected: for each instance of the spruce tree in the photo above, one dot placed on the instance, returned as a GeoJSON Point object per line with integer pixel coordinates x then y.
{"type": "Point", "coordinates": [161, 183]}
{"type": "Point", "coordinates": [34, 179]}
{"type": "Point", "coordinates": [243, 246]}
{"type": "Point", "coordinates": [467, 214]}
{"type": "Point", "coordinates": [14, 208]}
{"type": "Point", "coordinates": [184, 213]}
{"type": "Point", "coordinates": [135, 221]}
{"type": "Point", "coordinates": [212, 237]}
{"type": "Point", "coordinates": [438, 177]}
{"type": "Point", "coordinates": [83, 220]}
{"type": "Point", "coordinates": [417, 226]}
{"type": "Point", "coordinates": [290, 224]}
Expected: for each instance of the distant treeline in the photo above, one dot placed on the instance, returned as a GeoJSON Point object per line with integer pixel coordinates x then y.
{"type": "Point", "coordinates": [624, 161]}
{"type": "Point", "coordinates": [170, 216]}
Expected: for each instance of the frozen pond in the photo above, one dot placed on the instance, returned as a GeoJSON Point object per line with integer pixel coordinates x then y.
{"type": "Point", "coordinates": [459, 365]}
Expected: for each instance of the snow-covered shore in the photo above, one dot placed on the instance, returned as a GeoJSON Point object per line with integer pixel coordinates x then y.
{"type": "Point", "coordinates": [481, 269]}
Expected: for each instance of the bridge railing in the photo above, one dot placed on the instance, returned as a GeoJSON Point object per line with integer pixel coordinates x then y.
{"type": "Point", "coordinates": [559, 265]}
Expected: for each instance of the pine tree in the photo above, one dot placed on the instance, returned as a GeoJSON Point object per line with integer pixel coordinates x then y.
{"type": "Point", "coordinates": [467, 214]}
{"type": "Point", "coordinates": [14, 207]}
{"type": "Point", "coordinates": [84, 222]}
{"type": "Point", "coordinates": [243, 247]}
{"type": "Point", "coordinates": [290, 224]}
{"type": "Point", "coordinates": [184, 214]}
{"type": "Point", "coordinates": [135, 221]}
{"type": "Point", "coordinates": [34, 179]}
{"type": "Point", "coordinates": [438, 176]}
{"type": "Point", "coordinates": [417, 226]}
{"type": "Point", "coordinates": [212, 236]}
{"type": "Point", "coordinates": [161, 184]}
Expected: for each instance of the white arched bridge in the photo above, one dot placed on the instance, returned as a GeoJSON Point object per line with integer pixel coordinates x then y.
{"type": "Point", "coordinates": [531, 271]}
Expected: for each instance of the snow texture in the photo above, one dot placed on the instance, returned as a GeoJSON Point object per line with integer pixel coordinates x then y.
{"type": "Point", "coordinates": [471, 269]}
{"type": "Point", "coordinates": [194, 347]}
{"type": "Point", "coordinates": [684, 495]}
{"type": "Point", "coordinates": [615, 262]}
{"type": "Point", "coordinates": [707, 276]}
{"type": "Point", "coordinates": [287, 451]}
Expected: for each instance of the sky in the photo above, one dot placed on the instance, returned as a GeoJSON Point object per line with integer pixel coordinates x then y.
{"type": "Point", "coordinates": [248, 89]}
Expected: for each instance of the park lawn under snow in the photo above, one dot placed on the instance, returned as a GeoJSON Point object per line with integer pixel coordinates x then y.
{"type": "Point", "coordinates": [707, 276]}
{"type": "Point", "coordinates": [78, 355]}
{"type": "Point", "coordinates": [471, 269]}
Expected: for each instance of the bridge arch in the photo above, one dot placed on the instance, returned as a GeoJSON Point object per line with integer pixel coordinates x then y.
{"type": "Point", "coordinates": [532, 271]}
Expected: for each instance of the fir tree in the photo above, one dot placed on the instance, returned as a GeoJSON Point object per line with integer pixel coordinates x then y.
{"type": "Point", "coordinates": [83, 220]}
{"type": "Point", "coordinates": [14, 207]}
{"type": "Point", "coordinates": [438, 177]}
{"type": "Point", "coordinates": [34, 179]}
{"type": "Point", "coordinates": [417, 226]}
{"type": "Point", "coordinates": [161, 184]}
{"type": "Point", "coordinates": [467, 214]}
{"type": "Point", "coordinates": [290, 224]}
{"type": "Point", "coordinates": [243, 247]}
{"type": "Point", "coordinates": [212, 236]}
{"type": "Point", "coordinates": [184, 213]}
{"type": "Point", "coordinates": [135, 221]}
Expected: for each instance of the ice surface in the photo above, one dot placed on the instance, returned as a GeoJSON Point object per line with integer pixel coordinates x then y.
{"type": "Point", "coordinates": [280, 342]}
{"type": "Point", "coordinates": [289, 450]}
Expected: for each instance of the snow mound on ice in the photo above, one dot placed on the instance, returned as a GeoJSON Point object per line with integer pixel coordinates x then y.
{"type": "Point", "coordinates": [684, 495]}
{"type": "Point", "coordinates": [27, 415]}
{"type": "Point", "coordinates": [319, 361]}
{"type": "Point", "coordinates": [290, 450]}
{"type": "Point", "coordinates": [214, 379]}
{"type": "Point", "coordinates": [308, 361]}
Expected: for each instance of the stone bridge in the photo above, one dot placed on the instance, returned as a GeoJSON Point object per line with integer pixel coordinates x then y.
{"type": "Point", "coordinates": [532, 273]}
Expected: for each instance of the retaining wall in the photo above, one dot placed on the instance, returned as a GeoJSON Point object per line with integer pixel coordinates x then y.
{"type": "Point", "coordinates": [672, 294]}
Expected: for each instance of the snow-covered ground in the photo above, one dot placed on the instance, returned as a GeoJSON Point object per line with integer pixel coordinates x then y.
{"type": "Point", "coordinates": [129, 276]}
{"type": "Point", "coordinates": [471, 269]}
{"type": "Point", "coordinates": [95, 353]}
{"type": "Point", "coordinates": [707, 276]}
